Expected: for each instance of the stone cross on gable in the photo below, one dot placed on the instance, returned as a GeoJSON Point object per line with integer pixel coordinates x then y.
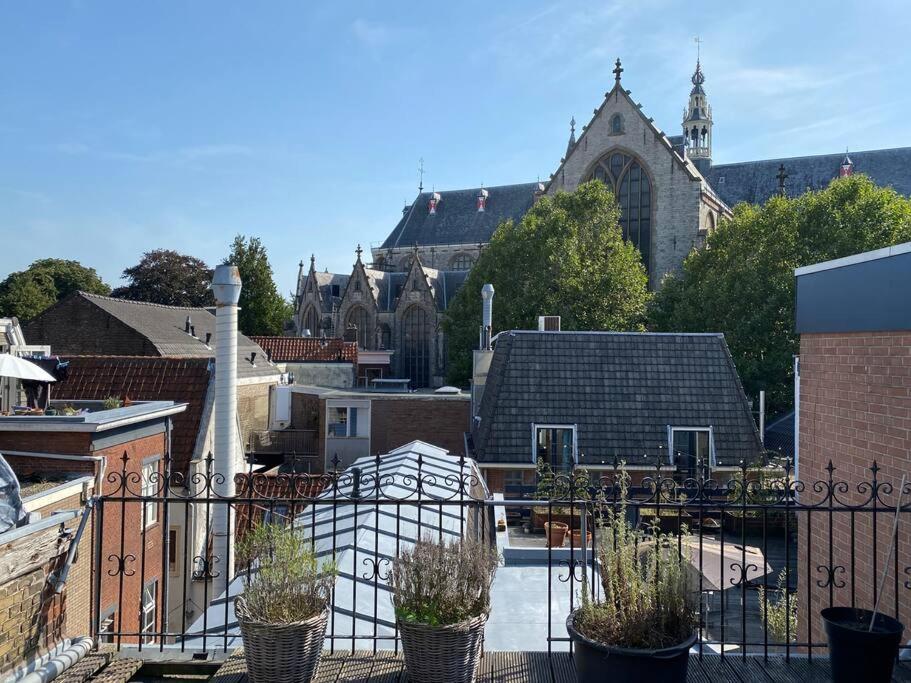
{"type": "Point", "coordinates": [358, 251]}
{"type": "Point", "coordinates": [617, 70]}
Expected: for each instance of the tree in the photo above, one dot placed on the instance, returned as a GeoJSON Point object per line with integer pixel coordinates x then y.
{"type": "Point", "coordinates": [566, 257]}
{"type": "Point", "coordinates": [164, 276]}
{"type": "Point", "coordinates": [26, 293]}
{"type": "Point", "coordinates": [742, 282]}
{"type": "Point", "coordinates": [262, 309]}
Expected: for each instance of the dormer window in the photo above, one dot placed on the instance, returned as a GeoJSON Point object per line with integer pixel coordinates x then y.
{"type": "Point", "coordinates": [692, 451]}
{"type": "Point", "coordinates": [482, 200]}
{"type": "Point", "coordinates": [434, 201]}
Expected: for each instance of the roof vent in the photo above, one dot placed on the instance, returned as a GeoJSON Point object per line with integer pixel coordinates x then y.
{"type": "Point", "coordinates": [482, 200]}
{"type": "Point", "coordinates": [187, 324]}
{"type": "Point", "coordinates": [432, 204]}
{"type": "Point", "coordinates": [208, 338]}
{"type": "Point", "coordinates": [548, 323]}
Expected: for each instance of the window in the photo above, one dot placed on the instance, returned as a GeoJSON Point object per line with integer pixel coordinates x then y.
{"type": "Point", "coordinates": [106, 626]}
{"type": "Point", "coordinates": [149, 611]}
{"type": "Point", "coordinates": [692, 450]}
{"type": "Point", "coordinates": [415, 347]}
{"type": "Point", "coordinates": [149, 490]}
{"type": "Point", "coordinates": [513, 479]}
{"type": "Point", "coordinates": [630, 183]}
{"type": "Point", "coordinates": [461, 262]}
{"type": "Point", "coordinates": [616, 124]}
{"type": "Point", "coordinates": [357, 285]}
{"type": "Point", "coordinates": [343, 421]}
{"type": "Point", "coordinates": [172, 550]}
{"type": "Point", "coordinates": [357, 323]}
{"type": "Point", "coordinates": [555, 445]}
{"type": "Point", "coordinates": [310, 321]}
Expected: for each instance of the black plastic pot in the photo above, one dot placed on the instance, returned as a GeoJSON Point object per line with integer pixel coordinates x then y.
{"type": "Point", "coordinates": [595, 662]}
{"type": "Point", "coordinates": [857, 654]}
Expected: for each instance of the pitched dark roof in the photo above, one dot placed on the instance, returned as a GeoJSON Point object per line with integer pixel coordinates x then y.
{"type": "Point", "coordinates": [755, 181]}
{"type": "Point", "coordinates": [304, 349]}
{"type": "Point", "coordinates": [457, 219]}
{"type": "Point", "coordinates": [621, 389]}
{"type": "Point", "coordinates": [145, 378]}
{"type": "Point", "coordinates": [164, 327]}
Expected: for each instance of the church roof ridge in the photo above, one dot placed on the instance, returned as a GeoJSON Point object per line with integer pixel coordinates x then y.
{"type": "Point", "coordinates": [809, 156]}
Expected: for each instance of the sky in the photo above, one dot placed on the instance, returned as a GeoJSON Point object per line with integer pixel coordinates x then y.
{"type": "Point", "coordinates": [126, 127]}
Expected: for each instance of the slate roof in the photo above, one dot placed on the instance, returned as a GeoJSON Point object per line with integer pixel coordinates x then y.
{"type": "Point", "coordinates": [621, 389]}
{"type": "Point", "coordinates": [164, 327]}
{"type": "Point", "coordinates": [306, 349]}
{"type": "Point", "coordinates": [755, 181]}
{"type": "Point", "coordinates": [457, 219]}
{"type": "Point", "coordinates": [145, 378]}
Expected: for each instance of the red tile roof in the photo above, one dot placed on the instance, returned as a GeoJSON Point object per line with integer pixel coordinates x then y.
{"type": "Point", "coordinates": [183, 380]}
{"type": "Point", "coordinates": [302, 349]}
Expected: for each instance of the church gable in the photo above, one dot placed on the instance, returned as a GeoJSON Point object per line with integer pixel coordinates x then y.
{"type": "Point", "coordinates": [416, 289]}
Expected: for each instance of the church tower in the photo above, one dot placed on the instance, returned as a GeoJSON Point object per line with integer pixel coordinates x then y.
{"type": "Point", "coordinates": [697, 123]}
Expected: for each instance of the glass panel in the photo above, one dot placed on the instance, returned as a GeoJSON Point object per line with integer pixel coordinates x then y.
{"type": "Point", "coordinates": [691, 452]}
{"type": "Point", "coordinates": [555, 447]}
{"type": "Point", "coordinates": [352, 421]}
{"type": "Point", "coordinates": [338, 422]}
{"type": "Point", "coordinates": [616, 164]}
{"type": "Point", "coordinates": [415, 348]}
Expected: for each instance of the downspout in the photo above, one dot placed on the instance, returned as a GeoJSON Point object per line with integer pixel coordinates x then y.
{"type": "Point", "coordinates": [226, 287]}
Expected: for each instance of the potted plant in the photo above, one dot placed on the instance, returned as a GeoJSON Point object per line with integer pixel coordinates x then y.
{"type": "Point", "coordinates": [283, 610]}
{"type": "Point", "coordinates": [857, 651]}
{"type": "Point", "coordinates": [577, 538]}
{"type": "Point", "coordinates": [556, 533]}
{"type": "Point", "coordinates": [645, 622]}
{"type": "Point", "coordinates": [567, 491]}
{"type": "Point", "coordinates": [441, 594]}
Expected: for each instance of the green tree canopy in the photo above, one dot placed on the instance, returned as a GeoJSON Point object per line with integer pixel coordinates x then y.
{"type": "Point", "coordinates": [26, 293]}
{"type": "Point", "coordinates": [566, 257]}
{"type": "Point", "coordinates": [164, 276]}
{"type": "Point", "coordinates": [262, 309]}
{"type": "Point", "coordinates": [742, 282]}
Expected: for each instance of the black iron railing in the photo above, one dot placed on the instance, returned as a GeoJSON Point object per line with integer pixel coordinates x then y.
{"type": "Point", "coordinates": [768, 551]}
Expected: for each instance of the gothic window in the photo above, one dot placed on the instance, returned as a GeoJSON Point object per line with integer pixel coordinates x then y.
{"type": "Point", "coordinates": [626, 177]}
{"type": "Point", "coordinates": [415, 346]}
{"type": "Point", "coordinates": [310, 321]}
{"type": "Point", "coordinates": [357, 324]}
{"type": "Point", "coordinates": [357, 285]}
{"type": "Point", "coordinates": [616, 124]}
{"type": "Point", "coordinates": [461, 262]}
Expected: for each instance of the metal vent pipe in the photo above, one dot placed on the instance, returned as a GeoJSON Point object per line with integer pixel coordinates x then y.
{"type": "Point", "coordinates": [486, 316]}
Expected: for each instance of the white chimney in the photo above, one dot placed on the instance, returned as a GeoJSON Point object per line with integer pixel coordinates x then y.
{"type": "Point", "coordinates": [226, 288]}
{"type": "Point", "coordinates": [486, 316]}
{"type": "Point", "coordinates": [548, 323]}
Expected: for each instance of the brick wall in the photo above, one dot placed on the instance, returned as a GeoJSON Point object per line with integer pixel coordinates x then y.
{"type": "Point", "coordinates": [855, 407]}
{"type": "Point", "coordinates": [76, 326]}
{"type": "Point", "coordinates": [395, 422]}
{"type": "Point", "coordinates": [32, 616]}
{"type": "Point", "coordinates": [67, 443]}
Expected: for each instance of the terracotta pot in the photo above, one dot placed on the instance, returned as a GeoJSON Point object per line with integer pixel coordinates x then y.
{"type": "Point", "coordinates": [556, 533]}
{"type": "Point", "coordinates": [577, 538]}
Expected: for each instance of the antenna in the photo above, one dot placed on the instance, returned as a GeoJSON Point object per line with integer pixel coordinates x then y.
{"type": "Point", "coordinates": [421, 175]}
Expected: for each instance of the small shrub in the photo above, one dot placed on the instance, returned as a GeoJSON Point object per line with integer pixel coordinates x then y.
{"type": "Point", "coordinates": [111, 402]}
{"type": "Point", "coordinates": [289, 583]}
{"type": "Point", "coordinates": [646, 599]}
{"type": "Point", "coordinates": [443, 583]}
{"type": "Point", "coordinates": [780, 614]}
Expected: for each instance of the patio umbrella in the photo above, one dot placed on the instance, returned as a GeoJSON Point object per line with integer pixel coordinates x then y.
{"type": "Point", "coordinates": [20, 368]}
{"type": "Point", "coordinates": [738, 562]}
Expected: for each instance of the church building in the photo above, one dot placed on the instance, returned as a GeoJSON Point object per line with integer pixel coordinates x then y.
{"type": "Point", "coordinates": [670, 194]}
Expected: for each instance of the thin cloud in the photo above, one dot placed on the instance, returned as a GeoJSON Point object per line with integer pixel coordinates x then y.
{"type": "Point", "coordinates": [372, 34]}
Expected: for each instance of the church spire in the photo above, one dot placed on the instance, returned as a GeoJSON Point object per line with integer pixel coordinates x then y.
{"type": "Point", "coordinates": [572, 136]}
{"type": "Point", "coordinates": [697, 118]}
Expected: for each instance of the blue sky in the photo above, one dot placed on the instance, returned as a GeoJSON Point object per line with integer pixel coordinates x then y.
{"type": "Point", "coordinates": [126, 127]}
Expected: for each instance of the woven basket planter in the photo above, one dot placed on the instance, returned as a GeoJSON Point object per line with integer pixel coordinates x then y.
{"type": "Point", "coordinates": [443, 654]}
{"type": "Point", "coordinates": [281, 652]}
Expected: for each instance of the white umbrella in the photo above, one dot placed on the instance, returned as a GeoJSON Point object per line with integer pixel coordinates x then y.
{"type": "Point", "coordinates": [20, 368]}
{"type": "Point", "coordinates": [737, 563]}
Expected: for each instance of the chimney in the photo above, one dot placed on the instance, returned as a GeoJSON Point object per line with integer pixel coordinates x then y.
{"type": "Point", "coordinates": [253, 358]}
{"type": "Point", "coordinates": [548, 323]}
{"type": "Point", "coordinates": [486, 316]}
{"type": "Point", "coordinates": [226, 288]}
{"type": "Point", "coordinates": [432, 204]}
{"type": "Point", "coordinates": [192, 330]}
{"type": "Point", "coordinates": [482, 200]}
{"type": "Point", "coordinates": [482, 357]}
{"type": "Point", "coordinates": [186, 325]}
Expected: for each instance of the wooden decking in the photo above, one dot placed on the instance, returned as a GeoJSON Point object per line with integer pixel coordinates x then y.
{"type": "Point", "coordinates": [537, 667]}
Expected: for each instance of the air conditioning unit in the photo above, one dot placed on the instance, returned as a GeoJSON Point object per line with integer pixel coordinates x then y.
{"type": "Point", "coordinates": [548, 323]}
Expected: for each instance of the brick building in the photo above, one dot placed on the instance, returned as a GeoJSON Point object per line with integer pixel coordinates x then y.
{"type": "Point", "coordinates": [352, 424]}
{"type": "Point", "coordinates": [129, 444]}
{"type": "Point", "coordinates": [854, 408]}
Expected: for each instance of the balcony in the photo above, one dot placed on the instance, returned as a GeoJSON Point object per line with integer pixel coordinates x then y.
{"type": "Point", "coordinates": [759, 540]}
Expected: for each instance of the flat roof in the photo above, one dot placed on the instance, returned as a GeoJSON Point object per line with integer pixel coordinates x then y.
{"type": "Point", "coordinates": [97, 421]}
{"type": "Point", "coordinates": [358, 393]}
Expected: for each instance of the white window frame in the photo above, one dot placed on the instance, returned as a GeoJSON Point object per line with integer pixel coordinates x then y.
{"type": "Point", "coordinates": [670, 442]}
{"type": "Point", "coordinates": [149, 610]}
{"type": "Point", "coordinates": [363, 418]}
{"type": "Point", "coordinates": [535, 426]}
{"type": "Point", "coordinates": [148, 490]}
